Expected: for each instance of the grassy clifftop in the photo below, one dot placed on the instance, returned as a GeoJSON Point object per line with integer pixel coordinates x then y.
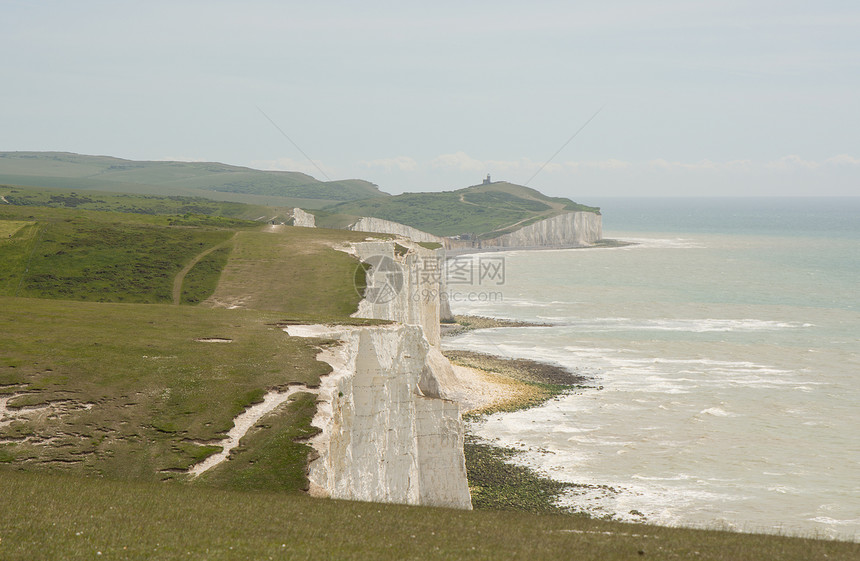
{"type": "Point", "coordinates": [481, 210]}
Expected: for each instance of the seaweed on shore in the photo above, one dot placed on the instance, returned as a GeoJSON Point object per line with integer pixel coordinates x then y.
{"type": "Point", "coordinates": [538, 382]}
{"type": "Point", "coordinates": [462, 324]}
{"type": "Point", "coordinates": [496, 484]}
{"type": "Point", "coordinates": [524, 370]}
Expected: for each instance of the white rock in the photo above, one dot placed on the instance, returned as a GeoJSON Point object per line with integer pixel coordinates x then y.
{"type": "Point", "coordinates": [380, 226]}
{"type": "Point", "coordinates": [569, 229]}
{"type": "Point", "coordinates": [304, 219]}
{"type": "Point", "coordinates": [382, 439]}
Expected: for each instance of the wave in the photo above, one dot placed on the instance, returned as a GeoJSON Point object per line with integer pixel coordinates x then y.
{"type": "Point", "coordinates": [687, 325]}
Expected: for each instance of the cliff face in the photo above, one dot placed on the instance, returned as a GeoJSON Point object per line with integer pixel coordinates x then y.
{"type": "Point", "coordinates": [380, 226]}
{"type": "Point", "coordinates": [388, 432]}
{"type": "Point", "coordinates": [383, 438]}
{"type": "Point", "coordinates": [569, 229]}
{"type": "Point", "coordinates": [416, 282]}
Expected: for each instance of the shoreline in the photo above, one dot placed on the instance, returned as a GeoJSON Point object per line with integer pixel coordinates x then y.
{"type": "Point", "coordinates": [601, 243]}
{"type": "Point", "coordinates": [462, 324]}
{"type": "Point", "coordinates": [498, 482]}
{"type": "Point", "coordinates": [495, 482]}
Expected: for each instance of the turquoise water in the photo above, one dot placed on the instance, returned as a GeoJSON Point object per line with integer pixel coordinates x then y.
{"type": "Point", "coordinates": [725, 352]}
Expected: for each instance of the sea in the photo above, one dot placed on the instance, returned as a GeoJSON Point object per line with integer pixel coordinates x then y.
{"type": "Point", "coordinates": [722, 352]}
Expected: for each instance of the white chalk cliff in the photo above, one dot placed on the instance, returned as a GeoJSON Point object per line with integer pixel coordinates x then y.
{"type": "Point", "coordinates": [570, 229]}
{"type": "Point", "coordinates": [388, 433]}
{"type": "Point", "coordinates": [303, 219]}
{"type": "Point", "coordinates": [380, 226]}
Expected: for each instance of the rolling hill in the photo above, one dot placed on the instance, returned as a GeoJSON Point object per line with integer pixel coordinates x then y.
{"type": "Point", "coordinates": [202, 179]}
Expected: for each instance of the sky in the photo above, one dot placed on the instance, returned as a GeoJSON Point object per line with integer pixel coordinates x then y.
{"type": "Point", "coordinates": [678, 98]}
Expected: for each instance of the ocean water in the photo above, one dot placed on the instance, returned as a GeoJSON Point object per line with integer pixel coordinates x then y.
{"type": "Point", "coordinates": [724, 354]}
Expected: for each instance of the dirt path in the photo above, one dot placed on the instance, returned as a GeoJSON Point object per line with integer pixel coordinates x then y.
{"type": "Point", "coordinates": [180, 276]}
{"type": "Point", "coordinates": [463, 200]}
{"type": "Point", "coordinates": [243, 423]}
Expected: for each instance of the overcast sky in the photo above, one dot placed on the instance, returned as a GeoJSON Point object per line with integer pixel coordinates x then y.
{"type": "Point", "coordinates": [698, 97]}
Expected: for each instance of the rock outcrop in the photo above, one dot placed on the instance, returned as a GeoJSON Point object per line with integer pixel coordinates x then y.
{"type": "Point", "coordinates": [303, 219]}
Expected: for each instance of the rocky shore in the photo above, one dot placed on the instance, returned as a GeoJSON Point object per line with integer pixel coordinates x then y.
{"type": "Point", "coordinates": [500, 385]}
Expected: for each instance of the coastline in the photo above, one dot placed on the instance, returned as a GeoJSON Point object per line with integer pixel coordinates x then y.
{"type": "Point", "coordinates": [719, 340]}
{"type": "Point", "coordinates": [496, 384]}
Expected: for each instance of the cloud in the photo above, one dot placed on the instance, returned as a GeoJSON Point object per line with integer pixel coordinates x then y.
{"type": "Point", "coordinates": [843, 160]}
{"type": "Point", "coordinates": [792, 162]}
{"type": "Point", "coordinates": [458, 160]}
{"type": "Point", "coordinates": [463, 162]}
{"type": "Point", "coordinates": [402, 163]}
{"type": "Point", "coordinates": [609, 164]}
{"type": "Point", "coordinates": [701, 165]}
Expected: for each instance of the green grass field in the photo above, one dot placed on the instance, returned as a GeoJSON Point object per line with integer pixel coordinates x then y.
{"type": "Point", "coordinates": [59, 517]}
{"type": "Point", "coordinates": [128, 391]}
{"type": "Point", "coordinates": [291, 269]}
{"type": "Point", "coordinates": [99, 256]}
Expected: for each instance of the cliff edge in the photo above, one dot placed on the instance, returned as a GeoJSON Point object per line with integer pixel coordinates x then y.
{"type": "Point", "coordinates": [389, 432]}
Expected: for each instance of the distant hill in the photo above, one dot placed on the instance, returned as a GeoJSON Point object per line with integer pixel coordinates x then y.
{"type": "Point", "coordinates": [202, 179]}
{"type": "Point", "coordinates": [486, 210]}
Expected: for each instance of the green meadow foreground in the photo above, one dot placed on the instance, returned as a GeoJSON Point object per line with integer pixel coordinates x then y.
{"type": "Point", "coordinates": [129, 341]}
{"type": "Point", "coordinates": [60, 517]}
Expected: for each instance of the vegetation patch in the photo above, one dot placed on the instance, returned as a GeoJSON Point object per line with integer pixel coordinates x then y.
{"type": "Point", "coordinates": [497, 484]}
{"type": "Point", "coordinates": [8, 228]}
{"type": "Point", "coordinates": [201, 280]}
{"type": "Point", "coordinates": [135, 203]}
{"type": "Point", "coordinates": [77, 171]}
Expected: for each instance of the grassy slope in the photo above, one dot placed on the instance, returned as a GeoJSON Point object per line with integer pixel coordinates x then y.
{"type": "Point", "coordinates": [291, 269]}
{"type": "Point", "coordinates": [200, 282]}
{"type": "Point", "coordinates": [61, 169]}
{"type": "Point", "coordinates": [87, 255]}
{"type": "Point", "coordinates": [482, 210]}
{"type": "Point", "coordinates": [65, 518]}
{"type": "Point", "coordinates": [132, 388]}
